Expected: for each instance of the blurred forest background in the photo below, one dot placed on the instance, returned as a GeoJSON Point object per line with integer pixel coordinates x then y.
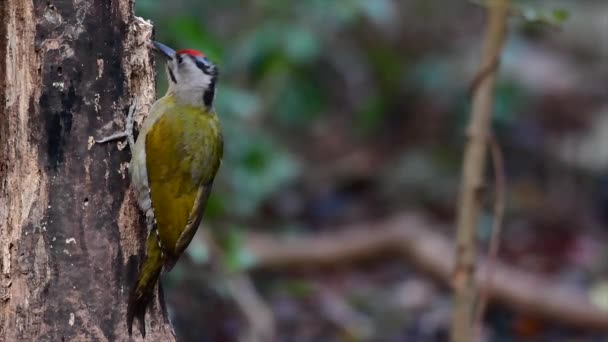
{"type": "Point", "coordinates": [342, 114]}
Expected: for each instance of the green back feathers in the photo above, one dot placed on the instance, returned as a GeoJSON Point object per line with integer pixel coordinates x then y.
{"type": "Point", "coordinates": [183, 152]}
{"type": "Point", "coordinates": [176, 161]}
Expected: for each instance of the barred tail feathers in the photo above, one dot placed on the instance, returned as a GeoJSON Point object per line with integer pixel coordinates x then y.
{"type": "Point", "coordinates": [143, 292]}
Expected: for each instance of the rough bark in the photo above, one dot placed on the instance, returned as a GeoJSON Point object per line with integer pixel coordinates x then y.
{"type": "Point", "coordinates": [70, 233]}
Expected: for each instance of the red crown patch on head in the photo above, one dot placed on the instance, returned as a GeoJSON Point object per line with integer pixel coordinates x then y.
{"type": "Point", "coordinates": [191, 53]}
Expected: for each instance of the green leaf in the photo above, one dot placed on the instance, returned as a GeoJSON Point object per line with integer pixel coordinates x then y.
{"type": "Point", "coordinates": [380, 11]}
{"type": "Point", "coordinates": [215, 206]}
{"type": "Point", "coordinates": [540, 16]}
{"type": "Point", "coordinates": [301, 45]}
{"type": "Point", "coordinates": [262, 168]}
{"type": "Point", "coordinates": [238, 102]}
{"type": "Point", "coordinates": [188, 32]}
{"type": "Point", "coordinates": [371, 117]}
{"type": "Point", "coordinates": [237, 257]}
{"type": "Point", "coordinates": [298, 288]}
{"type": "Point", "coordinates": [560, 15]}
{"type": "Point", "coordinates": [300, 102]}
{"type": "Point", "coordinates": [198, 251]}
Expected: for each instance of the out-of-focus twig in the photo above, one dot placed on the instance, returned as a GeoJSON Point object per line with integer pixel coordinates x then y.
{"type": "Point", "coordinates": [412, 237]}
{"type": "Point", "coordinates": [259, 317]}
{"type": "Point", "coordinates": [240, 289]}
{"type": "Point", "coordinates": [354, 325]}
{"type": "Point", "coordinates": [500, 188]}
{"type": "Point", "coordinates": [472, 177]}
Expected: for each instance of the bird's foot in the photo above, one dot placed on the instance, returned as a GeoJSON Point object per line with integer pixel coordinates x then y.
{"type": "Point", "coordinates": [128, 131]}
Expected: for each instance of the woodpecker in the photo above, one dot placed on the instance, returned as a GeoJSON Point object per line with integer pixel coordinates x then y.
{"type": "Point", "coordinates": [174, 161]}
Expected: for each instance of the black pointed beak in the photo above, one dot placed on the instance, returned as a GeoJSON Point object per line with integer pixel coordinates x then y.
{"type": "Point", "coordinates": [166, 51]}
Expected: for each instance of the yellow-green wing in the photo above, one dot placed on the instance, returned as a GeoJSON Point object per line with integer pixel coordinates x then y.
{"type": "Point", "coordinates": [194, 220]}
{"type": "Point", "coordinates": [183, 152]}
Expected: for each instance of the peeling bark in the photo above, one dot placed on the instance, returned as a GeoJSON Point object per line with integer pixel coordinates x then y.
{"type": "Point", "coordinates": [70, 233]}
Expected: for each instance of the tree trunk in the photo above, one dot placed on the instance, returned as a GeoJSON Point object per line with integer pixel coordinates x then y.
{"type": "Point", "coordinates": [71, 237]}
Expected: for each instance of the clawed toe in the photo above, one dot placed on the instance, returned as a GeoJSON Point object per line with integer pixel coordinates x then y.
{"type": "Point", "coordinates": [115, 136]}
{"type": "Point", "coordinates": [127, 133]}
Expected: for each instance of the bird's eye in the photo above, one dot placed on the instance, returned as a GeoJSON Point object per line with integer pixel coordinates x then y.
{"type": "Point", "coordinates": [179, 59]}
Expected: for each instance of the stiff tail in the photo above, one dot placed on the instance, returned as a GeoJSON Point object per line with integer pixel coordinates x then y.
{"type": "Point", "coordinates": [143, 291]}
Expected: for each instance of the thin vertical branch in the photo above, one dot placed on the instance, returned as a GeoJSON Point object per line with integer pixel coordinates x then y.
{"type": "Point", "coordinates": [472, 177]}
{"type": "Point", "coordinates": [499, 213]}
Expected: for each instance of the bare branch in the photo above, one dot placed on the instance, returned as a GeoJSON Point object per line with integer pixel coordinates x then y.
{"type": "Point", "coordinates": [499, 212]}
{"type": "Point", "coordinates": [472, 176]}
{"type": "Point", "coordinates": [414, 239]}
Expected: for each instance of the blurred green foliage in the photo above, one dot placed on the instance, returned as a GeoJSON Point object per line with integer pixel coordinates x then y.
{"type": "Point", "coordinates": [273, 58]}
{"type": "Point", "coordinates": [295, 76]}
{"type": "Point", "coordinates": [342, 111]}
